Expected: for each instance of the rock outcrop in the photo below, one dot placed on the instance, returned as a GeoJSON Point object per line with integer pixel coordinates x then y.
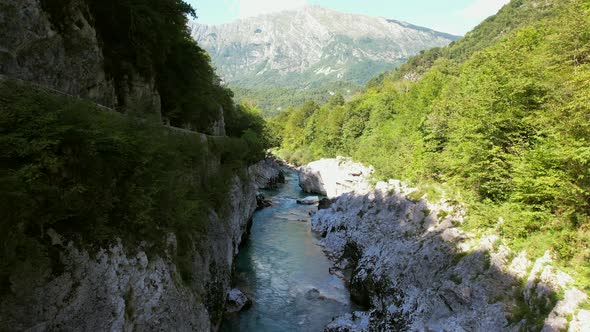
{"type": "Point", "coordinates": [334, 177]}
{"type": "Point", "coordinates": [66, 58]}
{"type": "Point", "coordinates": [237, 301]}
{"type": "Point", "coordinates": [120, 288]}
{"type": "Point", "coordinates": [310, 200]}
{"type": "Point", "coordinates": [31, 49]}
{"type": "Point", "coordinates": [416, 270]}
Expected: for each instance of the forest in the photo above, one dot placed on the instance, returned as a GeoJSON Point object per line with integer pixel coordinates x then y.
{"type": "Point", "coordinates": [97, 176]}
{"type": "Point", "coordinates": [498, 120]}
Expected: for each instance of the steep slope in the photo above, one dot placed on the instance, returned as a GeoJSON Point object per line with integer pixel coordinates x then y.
{"type": "Point", "coordinates": [418, 271]}
{"type": "Point", "coordinates": [495, 121]}
{"type": "Point", "coordinates": [100, 50]}
{"type": "Point", "coordinates": [312, 46]}
{"type": "Point", "coordinates": [112, 221]}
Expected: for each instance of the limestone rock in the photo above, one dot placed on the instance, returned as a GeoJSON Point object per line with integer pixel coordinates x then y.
{"type": "Point", "coordinates": [33, 50]}
{"type": "Point", "coordinates": [237, 301]}
{"type": "Point", "coordinates": [218, 127]}
{"type": "Point", "coordinates": [581, 322]}
{"type": "Point", "coordinates": [311, 181]}
{"type": "Point", "coordinates": [325, 203]}
{"type": "Point", "coordinates": [355, 322]}
{"type": "Point", "coordinates": [557, 320]}
{"type": "Point", "coordinates": [334, 177]}
{"type": "Point", "coordinates": [267, 173]}
{"type": "Point", "coordinates": [262, 202]}
{"type": "Point", "coordinates": [310, 200]}
{"type": "Point", "coordinates": [418, 271]}
{"type": "Point", "coordinates": [118, 287]}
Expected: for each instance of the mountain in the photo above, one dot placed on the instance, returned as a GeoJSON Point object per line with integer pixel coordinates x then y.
{"type": "Point", "coordinates": [311, 46]}
{"type": "Point", "coordinates": [497, 122]}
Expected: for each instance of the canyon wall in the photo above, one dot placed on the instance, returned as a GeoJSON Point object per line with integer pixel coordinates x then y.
{"type": "Point", "coordinates": [414, 266]}
{"type": "Point", "coordinates": [120, 288]}
{"type": "Point", "coordinates": [67, 58]}
{"type": "Point", "coordinates": [118, 285]}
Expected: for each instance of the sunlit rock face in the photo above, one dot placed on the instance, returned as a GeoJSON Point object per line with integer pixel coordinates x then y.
{"type": "Point", "coordinates": [334, 177]}
{"type": "Point", "coordinates": [416, 269]}
{"type": "Point", "coordinates": [311, 46]}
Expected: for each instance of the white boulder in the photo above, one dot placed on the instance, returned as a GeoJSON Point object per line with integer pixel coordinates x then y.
{"type": "Point", "coordinates": [236, 301]}
{"type": "Point", "coordinates": [334, 177]}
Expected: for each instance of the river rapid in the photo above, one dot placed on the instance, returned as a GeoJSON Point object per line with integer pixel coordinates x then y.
{"type": "Point", "coordinates": [285, 272]}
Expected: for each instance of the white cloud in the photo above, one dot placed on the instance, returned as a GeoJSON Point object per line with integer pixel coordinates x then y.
{"type": "Point", "coordinates": [248, 8]}
{"type": "Point", "coordinates": [481, 9]}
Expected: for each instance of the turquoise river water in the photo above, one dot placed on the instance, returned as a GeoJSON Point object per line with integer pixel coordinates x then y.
{"type": "Point", "coordinates": [285, 272]}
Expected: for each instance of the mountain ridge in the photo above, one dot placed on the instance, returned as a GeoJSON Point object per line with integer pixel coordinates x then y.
{"type": "Point", "coordinates": [310, 47]}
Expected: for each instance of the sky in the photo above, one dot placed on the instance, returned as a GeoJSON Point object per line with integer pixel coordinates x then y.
{"type": "Point", "coordinates": [451, 16]}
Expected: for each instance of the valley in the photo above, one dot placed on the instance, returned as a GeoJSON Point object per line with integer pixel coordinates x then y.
{"type": "Point", "coordinates": [303, 169]}
{"type": "Point", "coordinates": [304, 52]}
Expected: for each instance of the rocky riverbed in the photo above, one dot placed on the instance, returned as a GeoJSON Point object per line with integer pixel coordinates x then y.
{"type": "Point", "coordinates": [284, 272]}
{"type": "Point", "coordinates": [413, 265]}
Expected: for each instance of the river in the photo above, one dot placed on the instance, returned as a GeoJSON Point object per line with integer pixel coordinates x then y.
{"type": "Point", "coordinates": [284, 271]}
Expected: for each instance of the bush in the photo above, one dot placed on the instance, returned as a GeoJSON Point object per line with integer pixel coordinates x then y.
{"type": "Point", "coordinates": [95, 176]}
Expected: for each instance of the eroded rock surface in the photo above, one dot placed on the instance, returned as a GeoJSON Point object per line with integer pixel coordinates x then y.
{"type": "Point", "coordinates": [268, 173]}
{"type": "Point", "coordinates": [417, 270]}
{"type": "Point", "coordinates": [120, 288]}
{"type": "Point", "coordinates": [334, 177]}
{"type": "Point", "coordinates": [32, 49]}
{"type": "Point", "coordinates": [64, 56]}
{"type": "Point", "coordinates": [237, 301]}
{"type": "Point", "coordinates": [310, 200]}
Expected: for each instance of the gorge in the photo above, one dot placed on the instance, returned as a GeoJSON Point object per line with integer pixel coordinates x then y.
{"type": "Point", "coordinates": [284, 271]}
{"type": "Point", "coordinates": [283, 59]}
{"type": "Point", "coordinates": [138, 193]}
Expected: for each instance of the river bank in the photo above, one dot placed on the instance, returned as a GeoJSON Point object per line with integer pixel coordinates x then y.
{"type": "Point", "coordinates": [284, 271]}
{"type": "Point", "coordinates": [418, 270]}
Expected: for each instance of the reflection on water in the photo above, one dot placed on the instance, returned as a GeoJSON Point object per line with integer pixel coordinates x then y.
{"type": "Point", "coordinates": [285, 272]}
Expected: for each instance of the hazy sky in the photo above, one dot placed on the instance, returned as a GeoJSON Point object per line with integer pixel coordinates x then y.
{"type": "Point", "coordinates": [452, 16]}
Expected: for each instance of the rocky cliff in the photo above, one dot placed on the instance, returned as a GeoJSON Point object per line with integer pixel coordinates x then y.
{"type": "Point", "coordinates": [65, 57]}
{"type": "Point", "coordinates": [117, 285]}
{"type": "Point", "coordinates": [32, 50]}
{"type": "Point", "coordinates": [334, 177]}
{"type": "Point", "coordinates": [120, 288]}
{"type": "Point", "coordinates": [416, 269]}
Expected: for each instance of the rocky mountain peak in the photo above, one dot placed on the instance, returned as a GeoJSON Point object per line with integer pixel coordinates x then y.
{"type": "Point", "coordinates": [311, 46]}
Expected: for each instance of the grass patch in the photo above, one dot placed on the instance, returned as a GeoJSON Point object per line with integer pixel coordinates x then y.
{"type": "Point", "coordinates": [456, 279]}
{"type": "Point", "coordinates": [416, 195]}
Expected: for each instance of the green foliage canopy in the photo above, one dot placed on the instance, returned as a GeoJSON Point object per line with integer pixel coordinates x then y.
{"type": "Point", "coordinates": [500, 116]}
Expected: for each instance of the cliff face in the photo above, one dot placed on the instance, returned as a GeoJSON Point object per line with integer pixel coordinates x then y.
{"type": "Point", "coordinates": [417, 270]}
{"type": "Point", "coordinates": [118, 286]}
{"type": "Point", "coordinates": [66, 58]}
{"type": "Point", "coordinates": [121, 288]}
